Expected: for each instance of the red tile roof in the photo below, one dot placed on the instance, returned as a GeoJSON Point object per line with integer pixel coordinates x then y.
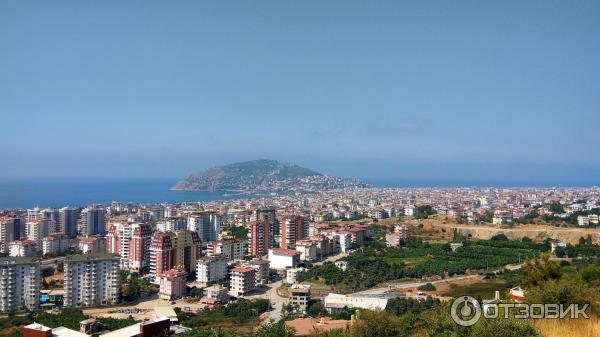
{"type": "Point", "coordinates": [285, 251]}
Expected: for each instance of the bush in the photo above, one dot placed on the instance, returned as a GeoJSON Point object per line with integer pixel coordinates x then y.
{"type": "Point", "coordinates": [427, 287]}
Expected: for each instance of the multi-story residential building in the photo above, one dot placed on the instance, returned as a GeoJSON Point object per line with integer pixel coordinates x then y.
{"type": "Point", "coordinates": [261, 238]}
{"type": "Point", "coordinates": [230, 249]}
{"type": "Point", "coordinates": [293, 228]}
{"type": "Point", "coordinates": [291, 275]}
{"type": "Point", "coordinates": [211, 269]}
{"type": "Point", "coordinates": [282, 258]}
{"type": "Point", "coordinates": [215, 294]}
{"type": "Point", "coordinates": [243, 281]}
{"type": "Point", "coordinates": [91, 280]}
{"type": "Point", "coordinates": [92, 221]}
{"type": "Point", "coordinates": [325, 245]}
{"type": "Point", "coordinates": [92, 245]}
{"type": "Point", "coordinates": [269, 215]}
{"type": "Point", "coordinates": [172, 284]}
{"type": "Point", "coordinates": [22, 248]}
{"type": "Point", "coordinates": [171, 224]}
{"type": "Point", "coordinates": [55, 244]}
{"type": "Point", "coordinates": [307, 249]}
{"type": "Point", "coordinates": [243, 218]}
{"type": "Point", "coordinates": [400, 234]}
{"type": "Point", "coordinates": [336, 302]}
{"type": "Point", "coordinates": [180, 250]}
{"type": "Point", "coordinates": [11, 229]}
{"type": "Point", "coordinates": [68, 221]}
{"type": "Point", "coordinates": [131, 241]}
{"type": "Point", "coordinates": [262, 270]}
{"type": "Point", "coordinates": [20, 283]}
{"type": "Point", "coordinates": [343, 240]}
{"type": "Point", "coordinates": [502, 219]}
{"type": "Point", "coordinates": [583, 221]}
{"type": "Point", "coordinates": [53, 217]}
{"type": "Point", "coordinates": [37, 230]}
{"type": "Point", "coordinates": [33, 214]}
{"type": "Point", "coordinates": [299, 297]}
{"type": "Point", "coordinates": [206, 224]}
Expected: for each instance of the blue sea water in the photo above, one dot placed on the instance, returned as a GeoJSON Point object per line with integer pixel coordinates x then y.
{"type": "Point", "coordinates": [58, 193]}
{"type": "Point", "coordinates": [79, 192]}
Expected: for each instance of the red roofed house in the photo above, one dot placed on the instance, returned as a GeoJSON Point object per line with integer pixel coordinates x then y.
{"type": "Point", "coordinates": [282, 258]}
{"type": "Point", "coordinates": [243, 281]}
{"type": "Point", "coordinates": [172, 284]}
{"type": "Point", "coordinates": [304, 326]}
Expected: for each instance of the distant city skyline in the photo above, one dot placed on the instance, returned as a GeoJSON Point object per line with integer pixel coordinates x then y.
{"type": "Point", "coordinates": [467, 91]}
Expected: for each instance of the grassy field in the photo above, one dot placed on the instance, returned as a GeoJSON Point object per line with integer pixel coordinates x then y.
{"type": "Point", "coordinates": [569, 327]}
{"type": "Point", "coordinates": [483, 289]}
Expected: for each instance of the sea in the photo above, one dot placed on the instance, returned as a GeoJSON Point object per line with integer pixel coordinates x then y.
{"type": "Point", "coordinates": [59, 193]}
{"type": "Point", "coordinates": [79, 192]}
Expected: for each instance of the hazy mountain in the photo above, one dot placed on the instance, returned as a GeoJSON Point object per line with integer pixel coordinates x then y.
{"type": "Point", "coordinates": [262, 175]}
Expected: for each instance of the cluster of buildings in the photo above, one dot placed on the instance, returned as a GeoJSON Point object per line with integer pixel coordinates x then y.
{"type": "Point", "coordinates": [89, 280]}
{"type": "Point", "coordinates": [233, 242]}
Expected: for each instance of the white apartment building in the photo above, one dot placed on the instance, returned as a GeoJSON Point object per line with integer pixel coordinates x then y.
{"type": "Point", "coordinates": [307, 249]}
{"type": "Point", "coordinates": [37, 231]}
{"type": "Point", "coordinates": [92, 221]}
{"type": "Point", "coordinates": [92, 245]}
{"type": "Point", "coordinates": [91, 280]}
{"type": "Point", "coordinates": [343, 241]}
{"type": "Point", "coordinates": [337, 302]}
{"type": "Point", "coordinates": [33, 214]}
{"type": "Point", "coordinates": [211, 269]}
{"type": "Point", "coordinates": [282, 258]}
{"type": "Point", "coordinates": [11, 229]}
{"type": "Point", "coordinates": [171, 225]}
{"type": "Point", "coordinates": [400, 234]}
{"type": "Point", "coordinates": [20, 283]}
{"type": "Point", "coordinates": [243, 281]}
{"type": "Point", "coordinates": [206, 224]}
{"type": "Point", "coordinates": [583, 221]}
{"type": "Point", "coordinates": [291, 275]}
{"type": "Point", "coordinates": [22, 248]}
{"type": "Point", "coordinates": [262, 270]}
{"type": "Point", "coordinates": [230, 249]}
{"type": "Point", "coordinates": [55, 244]}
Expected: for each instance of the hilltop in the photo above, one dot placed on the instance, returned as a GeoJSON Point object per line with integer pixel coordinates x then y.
{"type": "Point", "coordinates": [262, 176]}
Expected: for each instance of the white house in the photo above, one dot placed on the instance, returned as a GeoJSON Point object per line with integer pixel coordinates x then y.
{"type": "Point", "coordinates": [282, 258]}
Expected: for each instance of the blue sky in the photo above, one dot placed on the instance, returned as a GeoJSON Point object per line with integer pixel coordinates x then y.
{"type": "Point", "coordinates": [423, 90]}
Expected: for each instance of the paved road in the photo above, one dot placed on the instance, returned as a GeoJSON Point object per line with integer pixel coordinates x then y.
{"type": "Point", "coordinates": [332, 258]}
{"type": "Point", "coordinates": [277, 301]}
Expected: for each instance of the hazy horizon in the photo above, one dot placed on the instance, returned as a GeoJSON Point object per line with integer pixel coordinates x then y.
{"type": "Point", "coordinates": [435, 91]}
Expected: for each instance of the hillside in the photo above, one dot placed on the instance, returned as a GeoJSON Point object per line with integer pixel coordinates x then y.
{"type": "Point", "coordinates": [262, 176]}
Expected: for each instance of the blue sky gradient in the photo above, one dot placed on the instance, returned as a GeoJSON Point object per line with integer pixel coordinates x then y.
{"type": "Point", "coordinates": [469, 90]}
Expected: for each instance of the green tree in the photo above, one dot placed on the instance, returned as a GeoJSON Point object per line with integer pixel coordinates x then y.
{"type": "Point", "coordinates": [427, 287]}
{"type": "Point", "coordinates": [539, 270]}
{"type": "Point", "coordinates": [503, 327]}
{"type": "Point", "coordinates": [567, 290]}
{"type": "Point", "coordinates": [556, 208]}
{"type": "Point", "coordinates": [275, 329]}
